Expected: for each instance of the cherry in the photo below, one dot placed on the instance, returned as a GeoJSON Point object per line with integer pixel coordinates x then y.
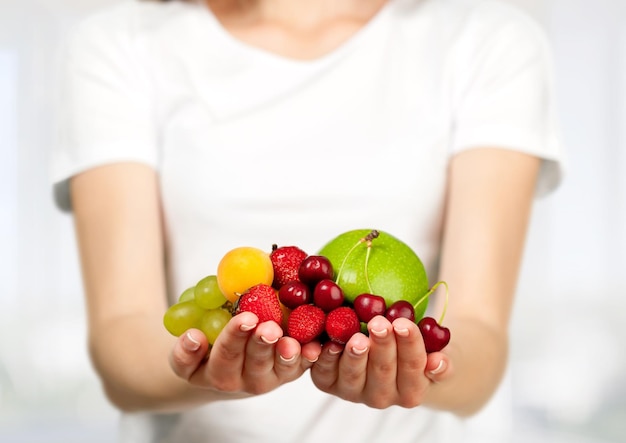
{"type": "Point", "coordinates": [294, 293]}
{"type": "Point", "coordinates": [368, 306]}
{"type": "Point", "coordinates": [436, 337]}
{"type": "Point", "coordinates": [400, 309]}
{"type": "Point", "coordinates": [327, 295]}
{"type": "Point", "coordinates": [315, 268]}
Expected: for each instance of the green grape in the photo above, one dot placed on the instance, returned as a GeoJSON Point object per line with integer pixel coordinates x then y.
{"type": "Point", "coordinates": [213, 322]}
{"type": "Point", "coordinates": [207, 293]}
{"type": "Point", "coordinates": [187, 295]}
{"type": "Point", "coordinates": [182, 316]}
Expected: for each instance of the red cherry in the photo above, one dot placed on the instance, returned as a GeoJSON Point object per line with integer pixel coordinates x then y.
{"type": "Point", "coordinates": [368, 306]}
{"type": "Point", "coordinates": [315, 268]}
{"type": "Point", "coordinates": [436, 337]}
{"type": "Point", "coordinates": [327, 295]}
{"type": "Point", "coordinates": [294, 293]}
{"type": "Point", "coordinates": [400, 309]}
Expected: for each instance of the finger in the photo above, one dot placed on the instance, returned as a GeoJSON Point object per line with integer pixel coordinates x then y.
{"type": "Point", "coordinates": [381, 387]}
{"type": "Point", "coordinates": [411, 362]}
{"type": "Point", "coordinates": [310, 354]}
{"type": "Point", "coordinates": [226, 361]}
{"type": "Point", "coordinates": [287, 364]}
{"type": "Point", "coordinates": [258, 370]}
{"type": "Point", "coordinates": [188, 353]}
{"type": "Point", "coordinates": [352, 371]}
{"type": "Point", "coordinates": [439, 367]}
{"type": "Point", "coordinates": [326, 369]}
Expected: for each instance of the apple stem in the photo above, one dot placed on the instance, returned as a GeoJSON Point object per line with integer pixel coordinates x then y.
{"type": "Point", "coordinates": [367, 239]}
{"type": "Point", "coordinates": [429, 293]}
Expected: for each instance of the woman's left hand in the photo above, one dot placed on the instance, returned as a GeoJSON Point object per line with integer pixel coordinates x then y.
{"type": "Point", "coordinates": [390, 367]}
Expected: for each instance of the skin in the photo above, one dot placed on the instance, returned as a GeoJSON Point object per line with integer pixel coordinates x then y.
{"type": "Point", "coordinates": [119, 226]}
{"type": "Point", "coordinates": [298, 29]}
{"type": "Point", "coordinates": [490, 194]}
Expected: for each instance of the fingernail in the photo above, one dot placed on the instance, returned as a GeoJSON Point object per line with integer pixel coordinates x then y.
{"type": "Point", "coordinates": [288, 360]}
{"type": "Point", "coordinates": [402, 332]}
{"type": "Point", "coordinates": [440, 368]}
{"type": "Point", "coordinates": [246, 328]}
{"type": "Point", "coordinates": [335, 351]}
{"type": "Point", "coordinates": [190, 344]}
{"type": "Point", "coordinates": [312, 361]}
{"type": "Point", "coordinates": [359, 351]}
{"type": "Point", "coordinates": [380, 333]}
{"type": "Point", "coordinates": [269, 342]}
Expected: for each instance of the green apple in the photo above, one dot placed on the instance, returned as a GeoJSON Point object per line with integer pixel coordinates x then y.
{"type": "Point", "coordinates": [375, 262]}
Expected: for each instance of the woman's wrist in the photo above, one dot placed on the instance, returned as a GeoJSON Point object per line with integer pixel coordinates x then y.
{"type": "Point", "coordinates": [478, 354]}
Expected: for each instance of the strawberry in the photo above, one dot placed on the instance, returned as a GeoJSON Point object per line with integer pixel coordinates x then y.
{"type": "Point", "coordinates": [306, 323]}
{"type": "Point", "coordinates": [341, 324]}
{"type": "Point", "coordinates": [261, 300]}
{"type": "Point", "coordinates": [286, 261]}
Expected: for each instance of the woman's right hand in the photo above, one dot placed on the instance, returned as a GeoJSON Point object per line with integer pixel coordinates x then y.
{"type": "Point", "coordinates": [247, 358]}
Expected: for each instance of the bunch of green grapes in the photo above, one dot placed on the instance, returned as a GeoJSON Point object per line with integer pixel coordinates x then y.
{"type": "Point", "coordinates": [203, 307]}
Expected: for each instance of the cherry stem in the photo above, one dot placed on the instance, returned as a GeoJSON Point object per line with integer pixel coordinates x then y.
{"type": "Point", "coordinates": [429, 293]}
{"type": "Point", "coordinates": [445, 305]}
{"type": "Point", "coordinates": [367, 239]}
{"type": "Point", "coordinates": [367, 259]}
{"type": "Point", "coordinates": [344, 261]}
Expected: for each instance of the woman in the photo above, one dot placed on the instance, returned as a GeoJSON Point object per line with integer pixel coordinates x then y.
{"type": "Point", "coordinates": [193, 128]}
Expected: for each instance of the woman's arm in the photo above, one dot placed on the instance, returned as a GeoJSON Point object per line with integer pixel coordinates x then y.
{"type": "Point", "coordinates": [488, 209]}
{"type": "Point", "coordinates": [118, 224]}
{"type": "Point", "coordinates": [120, 235]}
{"type": "Point", "coordinates": [489, 200]}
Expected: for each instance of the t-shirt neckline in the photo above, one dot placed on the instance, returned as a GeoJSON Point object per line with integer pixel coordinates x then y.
{"type": "Point", "coordinates": [235, 44]}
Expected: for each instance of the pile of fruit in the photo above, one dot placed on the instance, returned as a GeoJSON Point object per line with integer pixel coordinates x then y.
{"type": "Point", "coordinates": [328, 296]}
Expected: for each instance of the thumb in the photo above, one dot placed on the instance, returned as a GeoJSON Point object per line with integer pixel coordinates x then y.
{"type": "Point", "coordinates": [188, 353]}
{"type": "Point", "coordinates": [438, 367]}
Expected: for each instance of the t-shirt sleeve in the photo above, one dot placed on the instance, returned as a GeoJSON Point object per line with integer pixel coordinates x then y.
{"type": "Point", "coordinates": [505, 95]}
{"type": "Point", "coordinates": [105, 111]}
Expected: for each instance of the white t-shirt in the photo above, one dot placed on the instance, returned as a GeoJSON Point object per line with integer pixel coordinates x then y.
{"type": "Point", "coordinates": [254, 149]}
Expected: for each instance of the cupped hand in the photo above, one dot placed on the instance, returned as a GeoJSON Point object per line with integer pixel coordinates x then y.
{"type": "Point", "coordinates": [390, 367]}
{"type": "Point", "coordinates": [248, 357]}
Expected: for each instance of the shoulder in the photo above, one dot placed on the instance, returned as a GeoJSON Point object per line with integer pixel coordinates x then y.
{"type": "Point", "coordinates": [487, 13]}
{"type": "Point", "coordinates": [489, 19]}
{"type": "Point", "coordinates": [130, 22]}
{"type": "Point", "coordinates": [468, 21]}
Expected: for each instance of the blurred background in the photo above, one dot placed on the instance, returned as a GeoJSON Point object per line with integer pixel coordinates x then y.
{"type": "Point", "coordinates": [566, 381]}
